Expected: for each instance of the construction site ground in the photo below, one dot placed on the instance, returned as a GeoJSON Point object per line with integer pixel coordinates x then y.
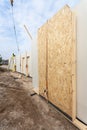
{"type": "Point", "coordinates": [20, 110]}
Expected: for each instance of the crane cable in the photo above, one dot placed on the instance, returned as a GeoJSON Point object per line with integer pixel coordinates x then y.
{"type": "Point", "coordinates": [14, 25]}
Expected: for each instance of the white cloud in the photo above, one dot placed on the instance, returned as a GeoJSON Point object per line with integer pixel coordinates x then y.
{"type": "Point", "coordinates": [39, 5]}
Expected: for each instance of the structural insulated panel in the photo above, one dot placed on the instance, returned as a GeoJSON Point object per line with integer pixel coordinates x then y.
{"type": "Point", "coordinates": [42, 35]}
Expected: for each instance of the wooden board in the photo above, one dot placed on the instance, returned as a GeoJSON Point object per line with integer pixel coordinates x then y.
{"type": "Point", "coordinates": [74, 69]}
{"type": "Point", "coordinates": [42, 59]}
{"type": "Point", "coordinates": [80, 125]}
{"type": "Point", "coordinates": [60, 45]}
{"type": "Point", "coordinates": [56, 50]}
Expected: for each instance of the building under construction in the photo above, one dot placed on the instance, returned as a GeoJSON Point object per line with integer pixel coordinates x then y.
{"type": "Point", "coordinates": [45, 89]}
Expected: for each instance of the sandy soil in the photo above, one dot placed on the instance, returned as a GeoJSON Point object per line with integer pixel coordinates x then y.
{"type": "Point", "coordinates": [21, 111]}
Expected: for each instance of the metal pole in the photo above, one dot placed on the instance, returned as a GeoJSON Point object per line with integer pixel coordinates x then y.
{"type": "Point", "coordinates": [28, 32]}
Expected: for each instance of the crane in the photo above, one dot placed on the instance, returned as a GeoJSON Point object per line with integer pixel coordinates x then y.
{"type": "Point", "coordinates": [15, 33]}
{"type": "Point", "coordinates": [11, 1]}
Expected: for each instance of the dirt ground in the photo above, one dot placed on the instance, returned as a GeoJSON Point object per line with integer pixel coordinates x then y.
{"type": "Point", "coordinates": [21, 111]}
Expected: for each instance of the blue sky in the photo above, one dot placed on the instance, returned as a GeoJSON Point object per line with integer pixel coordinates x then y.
{"type": "Point", "coordinates": [32, 13]}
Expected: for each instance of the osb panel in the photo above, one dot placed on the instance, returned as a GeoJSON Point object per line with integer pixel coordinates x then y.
{"type": "Point", "coordinates": [60, 36]}
{"type": "Point", "coordinates": [42, 59]}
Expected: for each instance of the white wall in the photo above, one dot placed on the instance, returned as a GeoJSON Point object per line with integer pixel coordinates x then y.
{"type": "Point", "coordinates": [29, 64]}
{"type": "Point", "coordinates": [18, 63]}
{"type": "Point", "coordinates": [81, 13]}
{"type": "Point", "coordinates": [34, 55]}
{"type": "Point", "coordinates": [21, 61]}
{"type": "Point", "coordinates": [12, 62]}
